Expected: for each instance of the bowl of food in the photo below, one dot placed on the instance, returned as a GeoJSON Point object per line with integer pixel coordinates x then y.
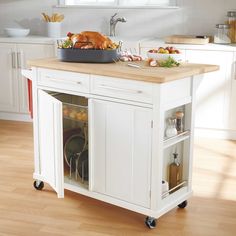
{"type": "Point", "coordinates": [16, 32]}
{"type": "Point", "coordinates": [164, 53]}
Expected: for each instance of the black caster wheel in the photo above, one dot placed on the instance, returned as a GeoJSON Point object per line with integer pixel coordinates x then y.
{"type": "Point", "coordinates": [183, 204]}
{"type": "Point", "coordinates": [150, 222]}
{"type": "Point", "coordinates": [38, 184]}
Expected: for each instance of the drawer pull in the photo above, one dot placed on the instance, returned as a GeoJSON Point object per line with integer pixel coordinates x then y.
{"type": "Point", "coordinates": [13, 60]}
{"type": "Point", "coordinates": [18, 54]}
{"type": "Point", "coordinates": [64, 81]}
{"type": "Point", "coordinates": [120, 89]}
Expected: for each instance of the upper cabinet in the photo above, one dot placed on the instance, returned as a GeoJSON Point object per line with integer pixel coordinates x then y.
{"type": "Point", "coordinates": [119, 3]}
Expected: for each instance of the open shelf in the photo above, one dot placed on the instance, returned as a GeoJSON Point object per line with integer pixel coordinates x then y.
{"type": "Point", "coordinates": [75, 112]}
{"type": "Point", "coordinates": [176, 139]}
{"type": "Point", "coordinates": [166, 194]}
{"type": "Point", "coordinates": [74, 182]}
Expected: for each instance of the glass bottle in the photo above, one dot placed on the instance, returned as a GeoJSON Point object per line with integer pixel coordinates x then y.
{"type": "Point", "coordinates": [171, 127]}
{"type": "Point", "coordinates": [221, 34]}
{"type": "Point", "coordinates": [232, 25]}
{"type": "Point", "coordinates": [174, 172]}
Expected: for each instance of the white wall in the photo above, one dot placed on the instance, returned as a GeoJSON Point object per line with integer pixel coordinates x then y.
{"type": "Point", "coordinates": [194, 17]}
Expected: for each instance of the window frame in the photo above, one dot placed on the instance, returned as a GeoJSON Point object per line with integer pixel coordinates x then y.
{"type": "Point", "coordinates": [173, 4]}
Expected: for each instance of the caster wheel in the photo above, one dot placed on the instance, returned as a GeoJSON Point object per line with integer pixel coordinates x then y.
{"type": "Point", "coordinates": [183, 204]}
{"type": "Point", "coordinates": [150, 222]}
{"type": "Point", "coordinates": [38, 184]}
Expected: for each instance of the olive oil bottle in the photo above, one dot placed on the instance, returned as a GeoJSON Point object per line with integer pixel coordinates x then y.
{"type": "Point", "coordinates": [174, 172]}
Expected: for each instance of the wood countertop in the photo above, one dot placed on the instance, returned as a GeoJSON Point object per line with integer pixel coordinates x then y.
{"type": "Point", "coordinates": [122, 70]}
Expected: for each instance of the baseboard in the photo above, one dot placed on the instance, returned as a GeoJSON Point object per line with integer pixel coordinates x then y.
{"type": "Point", "coordinates": [15, 116]}
{"type": "Point", "coordinates": [215, 133]}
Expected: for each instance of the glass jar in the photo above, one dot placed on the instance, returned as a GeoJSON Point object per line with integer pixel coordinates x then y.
{"type": "Point", "coordinates": [171, 127]}
{"type": "Point", "coordinates": [221, 34]}
{"type": "Point", "coordinates": [232, 25]}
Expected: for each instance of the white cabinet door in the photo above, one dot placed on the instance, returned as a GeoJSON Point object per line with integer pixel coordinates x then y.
{"type": "Point", "coordinates": [232, 121]}
{"type": "Point", "coordinates": [121, 151]}
{"type": "Point", "coordinates": [50, 142]}
{"type": "Point", "coordinates": [213, 95]}
{"type": "Point", "coordinates": [8, 79]}
{"type": "Point", "coordinates": [28, 52]}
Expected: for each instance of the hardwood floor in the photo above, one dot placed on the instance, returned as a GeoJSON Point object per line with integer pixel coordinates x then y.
{"type": "Point", "coordinates": [25, 211]}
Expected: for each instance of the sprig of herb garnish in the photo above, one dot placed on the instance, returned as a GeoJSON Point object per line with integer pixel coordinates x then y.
{"type": "Point", "coordinates": [169, 62]}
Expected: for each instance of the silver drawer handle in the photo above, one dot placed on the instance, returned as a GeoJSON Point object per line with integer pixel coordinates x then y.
{"type": "Point", "coordinates": [13, 60]}
{"type": "Point", "coordinates": [18, 55]}
{"type": "Point", "coordinates": [120, 89]}
{"type": "Point", "coordinates": [63, 80]}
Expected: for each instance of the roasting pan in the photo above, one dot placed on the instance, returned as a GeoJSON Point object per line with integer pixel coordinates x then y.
{"type": "Point", "coordinates": [87, 55]}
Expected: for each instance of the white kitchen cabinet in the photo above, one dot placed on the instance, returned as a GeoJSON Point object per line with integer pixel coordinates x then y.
{"type": "Point", "coordinates": [50, 141]}
{"type": "Point", "coordinates": [128, 155]}
{"type": "Point", "coordinates": [8, 79]}
{"type": "Point", "coordinates": [104, 137]}
{"type": "Point", "coordinates": [213, 96]}
{"type": "Point", "coordinates": [13, 86]}
{"type": "Point", "coordinates": [121, 150]}
{"type": "Point", "coordinates": [232, 117]}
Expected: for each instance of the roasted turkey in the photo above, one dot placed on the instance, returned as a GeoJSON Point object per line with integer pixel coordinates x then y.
{"type": "Point", "coordinates": [91, 40]}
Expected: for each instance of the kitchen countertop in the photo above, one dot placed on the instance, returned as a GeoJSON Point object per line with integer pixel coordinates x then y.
{"type": "Point", "coordinates": [157, 42]}
{"type": "Point", "coordinates": [123, 71]}
{"type": "Point", "coordinates": [28, 39]}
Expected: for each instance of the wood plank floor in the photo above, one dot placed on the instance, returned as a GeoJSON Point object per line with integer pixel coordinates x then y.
{"type": "Point", "coordinates": [25, 211]}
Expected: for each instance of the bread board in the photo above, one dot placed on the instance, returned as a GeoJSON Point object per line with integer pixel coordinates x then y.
{"type": "Point", "coordinates": [186, 39]}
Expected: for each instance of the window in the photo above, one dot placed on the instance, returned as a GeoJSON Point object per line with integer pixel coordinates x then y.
{"type": "Point", "coordinates": [119, 3]}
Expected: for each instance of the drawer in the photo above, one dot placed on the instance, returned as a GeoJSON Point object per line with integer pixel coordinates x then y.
{"type": "Point", "coordinates": [122, 88]}
{"type": "Point", "coordinates": [70, 81]}
{"type": "Point", "coordinates": [180, 90]}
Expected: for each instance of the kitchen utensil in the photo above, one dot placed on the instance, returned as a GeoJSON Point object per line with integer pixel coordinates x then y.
{"type": "Point", "coordinates": [72, 150]}
{"type": "Point", "coordinates": [83, 169]}
{"type": "Point", "coordinates": [56, 17]}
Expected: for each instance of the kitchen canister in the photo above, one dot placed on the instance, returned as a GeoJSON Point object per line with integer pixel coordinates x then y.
{"type": "Point", "coordinates": [222, 34]}
{"type": "Point", "coordinates": [232, 25]}
{"type": "Point", "coordinates": [54, 29]}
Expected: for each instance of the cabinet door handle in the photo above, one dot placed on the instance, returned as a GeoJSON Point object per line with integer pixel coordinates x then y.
{"type": "Point", "coordinates": [18, 55]}
{"type": "Point", "coordinates": [120, 89]}
{"type": "Point", "coordinates": [13, 60]}
{"type": "Point", "coordinates": [62, 80]}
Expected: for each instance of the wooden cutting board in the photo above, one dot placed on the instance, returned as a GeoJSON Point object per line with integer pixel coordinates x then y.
{"type": "Point", "coordinates": [186, 39]}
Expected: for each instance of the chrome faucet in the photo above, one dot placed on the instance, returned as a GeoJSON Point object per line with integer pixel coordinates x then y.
{"type": "Point", "coordinates": [113, 23]}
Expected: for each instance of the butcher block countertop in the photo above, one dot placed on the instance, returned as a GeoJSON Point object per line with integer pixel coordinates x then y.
{"type": "Point", "coordinates": [122, 70]}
